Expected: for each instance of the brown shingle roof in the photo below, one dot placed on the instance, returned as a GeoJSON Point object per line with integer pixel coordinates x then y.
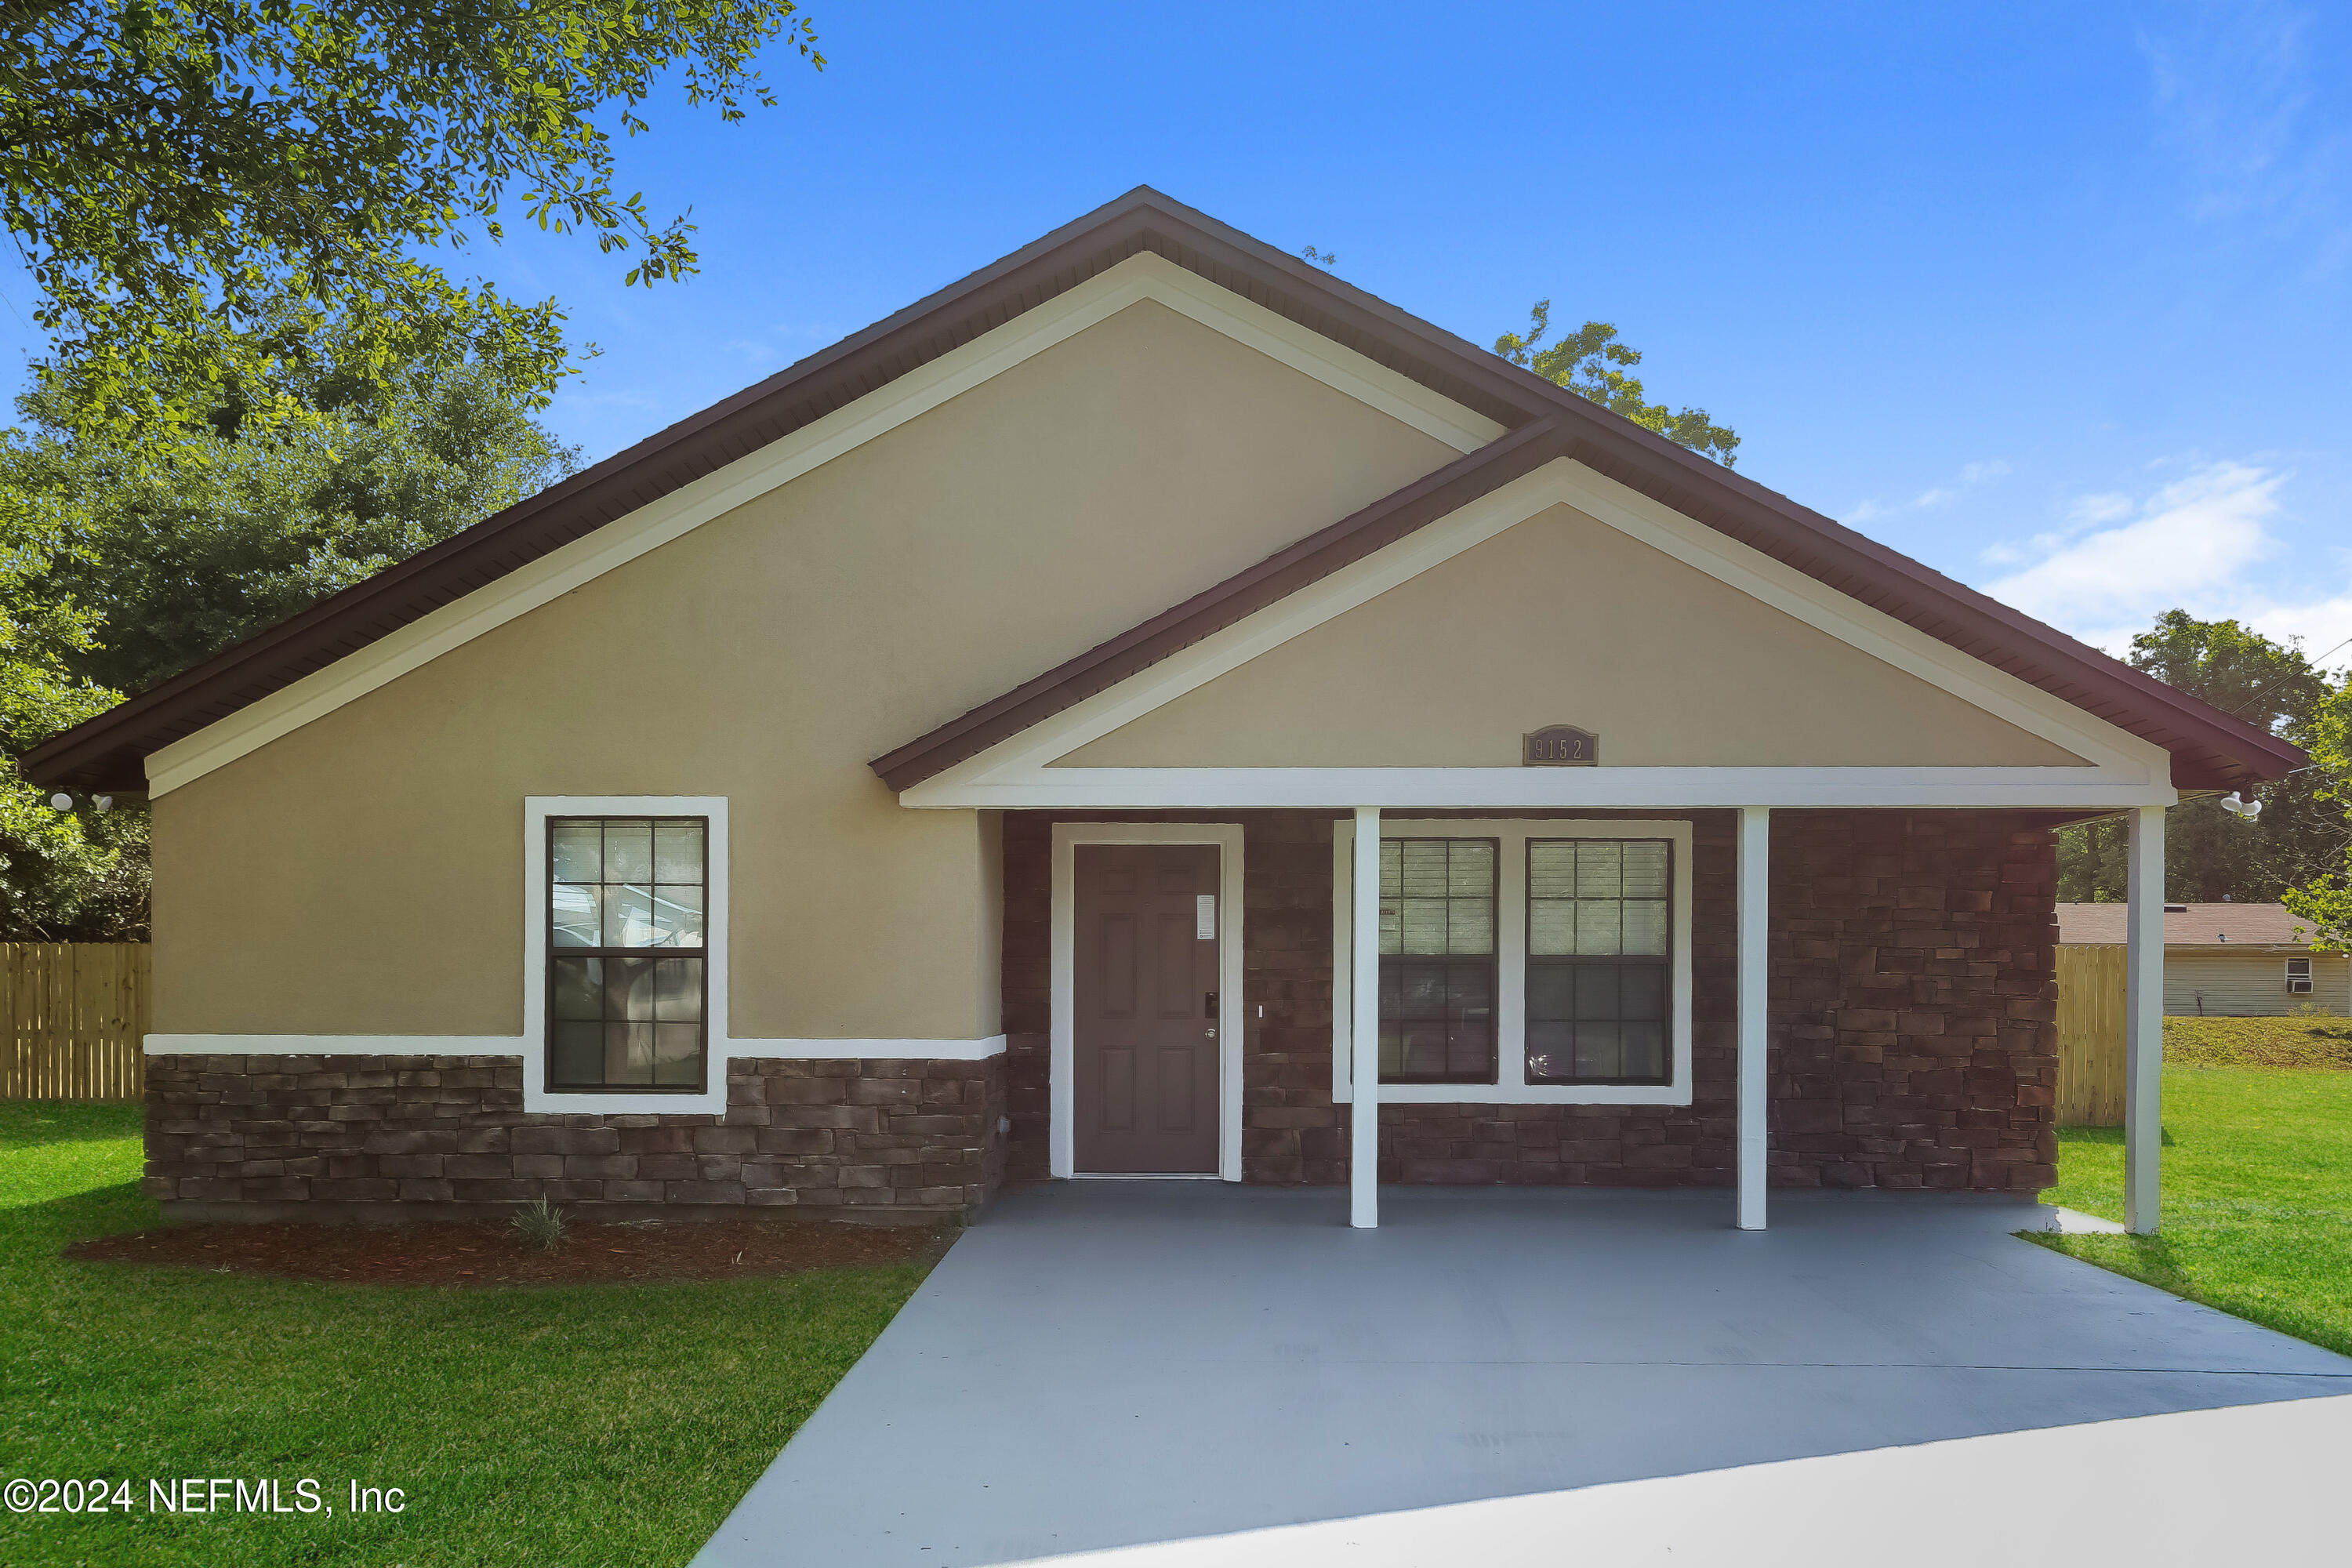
{"type": "Point", "coordinates": [2189, 925]}
{"type": "Point", "coordinates": [2211, 750]}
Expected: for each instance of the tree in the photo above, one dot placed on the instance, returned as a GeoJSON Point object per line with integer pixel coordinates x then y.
{"type": "Point", "coordinates": [62, 875]}
{"type": "Point", "coordinates": [201, 188]}
{"type": "Point", "coordinates": [128, 570]}
{"type": "Point", "coordinates": [2325, 898]}
{"type": "Point", "coordinates": [1593, 363]}
{"type": "Point", "coordinates": [251, 524]}
{"type": "Point", "coordinates": [2209, 854]}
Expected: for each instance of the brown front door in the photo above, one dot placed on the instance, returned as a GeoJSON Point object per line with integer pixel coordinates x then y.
{"type": "Point", "coordinates": [1145, 1023]}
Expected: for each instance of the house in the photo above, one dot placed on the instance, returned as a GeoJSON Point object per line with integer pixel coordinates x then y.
{"type": "Point", "coordinates": [2226, 960]}
{"type": "Point", "coordinates": [1126, 714]}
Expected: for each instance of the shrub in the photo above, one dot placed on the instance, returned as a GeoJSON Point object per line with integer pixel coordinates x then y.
{"type": "Point", "coordinates": [540, 1226]}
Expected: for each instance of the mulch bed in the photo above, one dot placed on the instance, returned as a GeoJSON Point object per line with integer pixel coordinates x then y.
{"type": "Point", "coordinates": [446, 1253]}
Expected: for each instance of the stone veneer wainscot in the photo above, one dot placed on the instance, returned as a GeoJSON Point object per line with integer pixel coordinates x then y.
{"type": "Point", "coordinates": [395, 1137]}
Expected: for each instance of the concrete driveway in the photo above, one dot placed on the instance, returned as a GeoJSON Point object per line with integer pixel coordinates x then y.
{"type": "Point", "coordinates": [1228, 1374]}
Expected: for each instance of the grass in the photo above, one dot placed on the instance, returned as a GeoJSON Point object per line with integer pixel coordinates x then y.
{"type": "Point", "coordinates": [2257, 1197]}
{"type": "Point", "coordinates": [2297, 1042]}
{"type": "Point", "coordinates": [572, 1426]}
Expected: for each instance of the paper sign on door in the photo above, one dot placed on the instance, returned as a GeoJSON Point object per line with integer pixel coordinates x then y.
{"type": "Point", "coordinates": [1204, 916]}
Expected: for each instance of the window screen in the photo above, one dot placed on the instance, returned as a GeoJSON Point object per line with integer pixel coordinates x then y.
{"type": "Point", "coordinates": [1437, 960]}
{"type": "Point", "coordinates": [1598, 935]}
{"type": "Point", "coordinates": [625, 977]}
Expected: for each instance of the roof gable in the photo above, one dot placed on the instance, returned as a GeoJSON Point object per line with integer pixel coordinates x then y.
{"type": "Point", "coordinates": [1563, 618]}
{"type": "Point", "coordinates": [681, 469]}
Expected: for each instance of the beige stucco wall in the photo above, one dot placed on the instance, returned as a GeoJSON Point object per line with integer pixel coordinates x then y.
{"type": "Point", "coordinates": [363, 875]}
{"type": "Point", "coordinates": [1563, 620]}
{"type": "Point", "coordinates": [2250, 985]}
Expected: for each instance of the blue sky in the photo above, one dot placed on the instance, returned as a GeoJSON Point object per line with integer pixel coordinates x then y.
{"type": "Point", "coordinates": [2054, 298]}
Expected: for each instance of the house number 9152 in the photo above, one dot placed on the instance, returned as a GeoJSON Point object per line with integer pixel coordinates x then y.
{"type": "Point", "coordinates": [1560, 746]}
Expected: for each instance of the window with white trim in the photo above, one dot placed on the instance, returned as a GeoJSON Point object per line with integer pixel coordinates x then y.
{"type": "Point", "coordinates": [1437, 960]}
{"type": "Point", "coordinates": [2298, 976]}
{"type": "Point", "coordinates": [1524, 961]}
{"type": "Point", "coordinates": [626, 982]}
{"type": "Point", "coordinates": [1597, 958]}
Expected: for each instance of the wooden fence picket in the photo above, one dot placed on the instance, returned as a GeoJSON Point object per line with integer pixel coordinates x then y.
{"type": "Point", "coordinates": [76, 1014]}
{"type": "Point", "coordinates": [2091, 1035]}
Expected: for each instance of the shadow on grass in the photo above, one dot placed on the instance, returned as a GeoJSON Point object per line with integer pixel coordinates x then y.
{"type": "Point", "coordinates": [76, 1217]}
{"type": "Point", "coordinates": [2109, 1135]}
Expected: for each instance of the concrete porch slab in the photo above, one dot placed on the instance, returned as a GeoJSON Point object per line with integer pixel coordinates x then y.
{"type": "Point", "coordinates": [1098, 1365]}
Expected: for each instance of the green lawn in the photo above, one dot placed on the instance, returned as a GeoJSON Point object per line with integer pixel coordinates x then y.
{"type": "Point", "coordinates": [575, 1425]}
{"type": "Point", "coordinates": [2294, 1042]}
{"type": "Point", "coordinates": [2257, 1197]}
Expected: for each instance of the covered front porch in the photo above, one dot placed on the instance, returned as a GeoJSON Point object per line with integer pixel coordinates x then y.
{"type": "Point", "coordinates": [1854, 997]}
{"type": "Point", "coordinates": [1099, 1366]}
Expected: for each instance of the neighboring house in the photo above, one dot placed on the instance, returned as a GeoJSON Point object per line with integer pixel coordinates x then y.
{"type": "Point", "coordinates": [1120, 715]}
{"type": "Point", "coordinates": [2234, 961]}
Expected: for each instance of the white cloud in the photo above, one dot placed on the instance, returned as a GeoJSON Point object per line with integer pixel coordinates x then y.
{"type": "Point", "coordinates": [2112, 507]}
{"type": "Point", "coordinates": [2241, 100]}
{"type": "Point", "coordinates": [2196, 544]}
{"type": "Point", "coordinates": [1934, 496]}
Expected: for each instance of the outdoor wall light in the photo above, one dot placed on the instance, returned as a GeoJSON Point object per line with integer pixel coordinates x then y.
{"type": "Point", "coordinates": [2237, 806]}
{"type": "Point", "coordinates": [61, 801]}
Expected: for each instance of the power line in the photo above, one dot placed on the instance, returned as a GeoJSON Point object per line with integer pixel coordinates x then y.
{"type": "Point", "coordinates": [2310, 664]}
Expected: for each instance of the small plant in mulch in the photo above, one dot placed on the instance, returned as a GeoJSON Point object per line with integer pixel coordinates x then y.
{"type": "Point", "coordinates": [539, 1225]}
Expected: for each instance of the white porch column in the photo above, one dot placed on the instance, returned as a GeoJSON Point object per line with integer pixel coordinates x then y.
{"type": "Point", "coordinates": [2144, 1021]}
{"type": "Point", "coordinates": [1364, 1026]}
{"type": "Point", "coordinates": [1755, 880]}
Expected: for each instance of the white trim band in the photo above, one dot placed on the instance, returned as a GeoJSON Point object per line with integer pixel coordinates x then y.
{"type": "Point", "coordinates": [908, 1049]}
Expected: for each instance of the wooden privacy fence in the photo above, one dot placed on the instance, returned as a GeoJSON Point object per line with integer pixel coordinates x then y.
{"type": "Point", "coordinates": [2091, 1035]}
{"type": "Point", "coordinates": [77, 1012]}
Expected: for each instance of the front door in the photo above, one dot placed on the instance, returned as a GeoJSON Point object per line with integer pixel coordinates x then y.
{"type": "Point", "coordinates": [1145, 1029]}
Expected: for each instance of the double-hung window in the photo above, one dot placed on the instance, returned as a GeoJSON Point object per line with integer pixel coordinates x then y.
{"type": "Point", "coordinates": [1598, 940]}
{"type": "Point", "coordinates": [627, 981]}
{"type": "Point", "coordinates": [1524, 961]}
{"type": "Point", "coordinates": [1437, 960]}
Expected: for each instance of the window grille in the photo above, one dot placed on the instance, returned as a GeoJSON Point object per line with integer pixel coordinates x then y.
{"type": "Point", "coordinates": [1598, 957]}
{"type": "Point", "coordinates": [1437, 960]}
{"type": "Point", "coordinates": [626, 974]}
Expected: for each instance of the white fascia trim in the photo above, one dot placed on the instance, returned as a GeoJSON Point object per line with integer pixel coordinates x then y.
{"type": "Point", "coordinates": [1017, 772]}
{"type": "Point", "coordinates": [1511, 1087]}
{"type": "Point", "coordinates": [333, 1044]}
{"type": "Point", "coordinates": [738, 1049]}
{"type": "Point", "coordinates": [1524, 789]}
{"type": "Point", "coordinates": [718, 1048]}
{"type": "Point", "coordinates": [1062, 1101]}
{"type": "Point", "coordinates": [825, 1050]}
{"type": "Point", "coordinates": [1147, 276]}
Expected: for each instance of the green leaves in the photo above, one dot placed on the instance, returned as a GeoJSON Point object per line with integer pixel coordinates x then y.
{"type": "Point", "coordinates": [183, 180]}
{"type": "Point", "coordinates": [1593, 362]}
{"type": "Point", "coordinates": [2302, 832]}
{"type": "Point", "coordinates": [121, 565]}
{"type": "Point", "coordinates": [2326, 899]}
